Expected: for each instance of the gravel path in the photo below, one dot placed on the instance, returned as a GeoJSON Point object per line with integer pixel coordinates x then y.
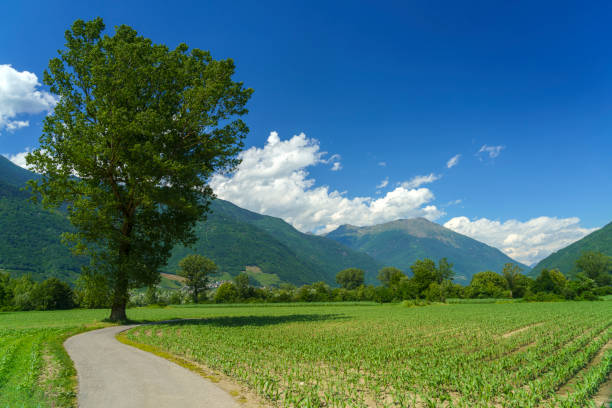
{"type": "Point", "coordinates": [112, 374]}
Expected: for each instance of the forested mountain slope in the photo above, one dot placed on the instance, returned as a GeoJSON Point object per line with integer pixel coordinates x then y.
{"type": "Point", "coordinates": [233, 237]}
{"type": "Point", "coordinates": [400, 243]}
{"type": "Point", "coordinates": [29, 234]}
{"type": "Point", "coordinates": [565, 259]}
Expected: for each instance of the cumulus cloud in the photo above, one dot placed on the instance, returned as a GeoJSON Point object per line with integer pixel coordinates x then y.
{"type": "Point", "coordinates": [453, 161]}
{"type": "Point", "coordinates": [383, 183]}
{"type": "Point", "coordinates": [274, 180]}
{"type": "Point", "coordinates": [19, 95]}
{"type": "Point", "coordinates": [418, 181]}
{"type": "Point", "coordinates": [491, 151]}
{"type": "Point", "coordinates": [528, 241]}
{"type": "Point", "coordinates": [336, 166]}
{"type": "Point", "coordinates": [19, 158]}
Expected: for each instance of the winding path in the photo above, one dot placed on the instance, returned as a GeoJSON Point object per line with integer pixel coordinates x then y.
{"type": "Point", "coordinates": [112, 374]}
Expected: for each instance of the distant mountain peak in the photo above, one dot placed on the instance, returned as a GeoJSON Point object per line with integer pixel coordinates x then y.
{"type": "Point", "coordinates": [401, 242]}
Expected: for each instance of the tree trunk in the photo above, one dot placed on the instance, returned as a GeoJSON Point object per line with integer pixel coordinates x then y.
{"type": "Point", "coordinates": [120, 297]}
{"type": "Point", "coordinates": [195, 295]}
{"type": "Point", "coordinates": [120, 292]}
{"type": "Point", "coordinates": [118, 313]}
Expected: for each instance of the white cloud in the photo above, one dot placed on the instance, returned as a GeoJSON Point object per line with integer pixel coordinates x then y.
{"type": "Point", "coordinates": [383, 183]}
{"type": "Point", "coordinates": [273, 180]}
{"type": "Point", "coordinates": [453, 161]}
{"type": "Point", "coordinates": [492, 151]}
{"type": "Point", "coordinates": [454, 202]}
{"type": "Point", "coordinates": [528, 241]}
{"type": "Point", "coordinates": [17, 124]}
{"type": "Point", "coordinates": [418, 181]}
{"type": "Point", "coordinates": [19, 95]}
{"type": "Point", "coordinates": [382, 164]}
{"type": "Point", "coordinates": [19, 158]}
{"type": "Point", "coordinates": [336, 166]}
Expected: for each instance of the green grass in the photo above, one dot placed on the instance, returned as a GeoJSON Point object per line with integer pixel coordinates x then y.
{"type": "Point", "coordinates": [35, 370]}
{"type": "Point", "coordinates": [262, 278]}
{"type": "Point", "coordinates": [341, 354]}
{"type": "Point", "coordinates": [166, 283]}
{"type": "Point", "coordinates": [481, 301]}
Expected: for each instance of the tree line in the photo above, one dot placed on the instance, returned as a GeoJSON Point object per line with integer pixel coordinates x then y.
{"type": "Point", "coordinates": [430, 282]}
{"type": "Point", "coordinates": [433, 283]}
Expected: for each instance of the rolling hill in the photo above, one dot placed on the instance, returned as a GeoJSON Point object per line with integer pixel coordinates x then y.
{"type": "Point", "coordinates": [400, 243]}
{"type": "Point", "coordinates": [565, 259]}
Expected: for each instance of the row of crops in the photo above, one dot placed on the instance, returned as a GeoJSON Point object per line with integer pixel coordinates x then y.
{"type": "Point", "coordinates": [506, 355]}
{"type": "Point", "coordinates": [22, 368]}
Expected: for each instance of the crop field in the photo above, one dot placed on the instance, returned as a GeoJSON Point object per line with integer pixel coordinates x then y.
{"type": "Point", "coordinates": [506, 355]}
{"type": "Point", "coordinates": [463, 355]}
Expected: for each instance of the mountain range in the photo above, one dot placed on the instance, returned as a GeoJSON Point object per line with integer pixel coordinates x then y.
{"type": "Point", "coordinates": [400, 243]}
{"type": "Point", "coordinates": [273, 250]}
{"type": "Point", "coordinates": [270, 250]}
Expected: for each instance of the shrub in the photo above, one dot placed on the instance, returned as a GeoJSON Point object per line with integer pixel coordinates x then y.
{"type": "Point", "coordinates": [52, 294]}
{"type": "Point", "coordinates": [23, 296]}
{"type": "Point", "coordinates": [92, 291]}
{"type": "Point", "coordinates": [603, 290]}
{"type": "Point", "coordinates": [226, 293]}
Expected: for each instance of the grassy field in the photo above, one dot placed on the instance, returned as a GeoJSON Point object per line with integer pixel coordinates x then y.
{"type": "Point", "coordinates": [514, 354]}
{"type": "Point", "coordinates": [34, 368]}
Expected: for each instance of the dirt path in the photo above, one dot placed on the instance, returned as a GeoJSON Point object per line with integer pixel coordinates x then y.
{"type": "Point", "coordinates": [112, 374]}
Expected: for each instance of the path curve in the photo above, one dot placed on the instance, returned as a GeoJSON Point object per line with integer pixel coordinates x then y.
{"type": "Point", "coordinates": [112, 374]}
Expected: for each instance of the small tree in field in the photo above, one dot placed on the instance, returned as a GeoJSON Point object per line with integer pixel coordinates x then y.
{"type": "Point", "coordinates": [350, 278]}
{"type": "Point", "coordinates": [512, 274]}
{"type": "Point", "coordinates": [196, 269]}
{"type": "Point", "coordinates": [137, 132]}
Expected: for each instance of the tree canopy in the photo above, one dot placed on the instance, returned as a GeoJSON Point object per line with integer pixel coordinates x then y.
{"type": "Point", "coordinates": [596, 266]}
{"type": "Point", "coordinates": [390, 276]}
{"type": "Point", "coordinates": [137, 132]}
{"type": "Point", "coordinates": [350, 278]}
{"type": "Point", "coordinates": [196, 270]}
{"type": "Point", "coordinates": [512, 274]}
{"type": "Point", "coordinates": [488, 284]}
{"type": "Point", "coordinates": [550, 280]}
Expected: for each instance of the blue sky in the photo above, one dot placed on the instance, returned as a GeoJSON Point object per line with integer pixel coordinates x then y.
{"type": "Point", "coordinates": [390, 92]}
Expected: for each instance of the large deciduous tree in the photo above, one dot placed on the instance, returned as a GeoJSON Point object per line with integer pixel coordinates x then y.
{"type": "Point", "coordinates": [137, 132]}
